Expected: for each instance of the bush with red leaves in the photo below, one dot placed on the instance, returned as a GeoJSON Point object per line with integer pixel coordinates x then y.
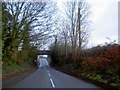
{"type": "Point", "coordinates": [102, 58]}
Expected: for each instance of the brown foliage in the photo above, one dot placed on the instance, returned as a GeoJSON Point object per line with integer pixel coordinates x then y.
{"type": "Point", "coordinates": [95, 63]}
{"type": "Point", "coordinates": [103, 60]}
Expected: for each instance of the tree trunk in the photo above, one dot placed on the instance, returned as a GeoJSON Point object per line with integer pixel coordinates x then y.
{"type": "Point", "coordinates": [79, 29]}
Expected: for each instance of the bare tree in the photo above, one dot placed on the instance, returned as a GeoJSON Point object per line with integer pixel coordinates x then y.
{"type": "Point", "coordinates": [65, 36]}
{"type": "Point", "coordinates": [30, 22]}
{"type": "Point", "coordinates": [77, 13]}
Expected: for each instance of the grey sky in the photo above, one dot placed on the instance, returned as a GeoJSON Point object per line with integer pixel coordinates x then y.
{"type": "Point", "coordinates": [104, 20]}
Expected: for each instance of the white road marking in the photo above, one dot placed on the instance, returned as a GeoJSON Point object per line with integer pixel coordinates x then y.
{"type": "Point", "coordinates": [49, 74]}
{"type": "Point", "coordinates": [48, 71]}
{"type": "Point", "coordinates": [52, 83]}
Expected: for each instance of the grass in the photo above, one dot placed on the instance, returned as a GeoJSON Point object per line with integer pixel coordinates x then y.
{"type": "Point", "coordinates": [0, 57]}
{"type": "Point", "coordinates": [1, 69]}
{"type": "Point", "coordinates": [100, 78]}
{"type": "Point", "coordinates": [110, 79]}
{"type": "Point", "coordinates": [7, 69]}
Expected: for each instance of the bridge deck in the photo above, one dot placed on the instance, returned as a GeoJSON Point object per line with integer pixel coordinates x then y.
{"type": "Point", "coordinates": [43, 52]}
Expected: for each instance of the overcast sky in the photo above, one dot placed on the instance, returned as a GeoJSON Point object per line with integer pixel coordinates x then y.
{"type": "Point", "coordinates": [104, 21]}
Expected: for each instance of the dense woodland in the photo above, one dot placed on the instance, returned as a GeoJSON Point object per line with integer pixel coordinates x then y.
{"type": "Point", "coordinates": [24, 26]}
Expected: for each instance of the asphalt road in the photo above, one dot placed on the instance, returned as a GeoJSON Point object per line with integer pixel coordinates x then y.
{"type": "Point", "coordinates": [46, 77]}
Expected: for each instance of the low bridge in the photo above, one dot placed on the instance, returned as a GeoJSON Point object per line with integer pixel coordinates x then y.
{"type": "Point", "coordinates": [43, 52]}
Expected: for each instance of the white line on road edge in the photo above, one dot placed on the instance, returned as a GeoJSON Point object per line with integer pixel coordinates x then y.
{"type": "Point", "coordinates": [52, 82]}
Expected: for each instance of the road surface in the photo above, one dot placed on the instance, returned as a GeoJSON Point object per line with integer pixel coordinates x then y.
{"type": "Point", "coordinates": [46, 77]}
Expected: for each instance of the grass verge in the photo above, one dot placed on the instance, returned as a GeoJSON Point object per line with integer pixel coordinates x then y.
{"type": "Point", "coordinates": [13, 69]}
{"type": "Point", "coordinates": [96, 79]}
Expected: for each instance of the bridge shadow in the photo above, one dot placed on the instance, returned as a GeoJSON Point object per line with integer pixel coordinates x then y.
{"type": "Point", "coordinates": [43, 52]}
